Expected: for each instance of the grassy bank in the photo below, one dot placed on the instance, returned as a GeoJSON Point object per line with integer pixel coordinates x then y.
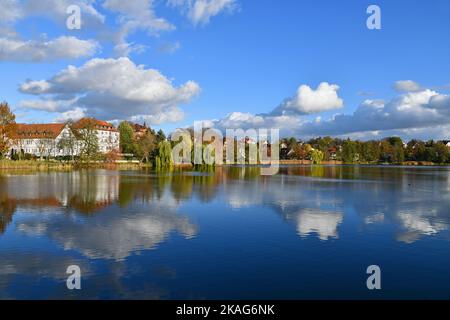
{"type": "Point", "coordinates": [62, 166]}
{"type": "Point", "coordinates": [37, 165]}
{"type": "Point", "coordinates": [57, 165]}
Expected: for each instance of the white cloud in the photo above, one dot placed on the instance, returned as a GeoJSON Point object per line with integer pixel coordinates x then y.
{"type": "Point", "coordinates": [200, 12]}
{"type": "Point", "coordinates": [169, 47]}
{"type": "Point", "coordinates": [287, 116]}
{"type": "Point", "coordinates": [407, 86]}
{"type": "Point", "coordinates": [15, 10]}
{"type": "Point", "coordinates": [57, 10]}
{"type": "Point", "coordinates": [45, 105]}
{"type": "Point", "coordinates": [115, 89]}
{"type": "Point", "coordinates": [35, 87]}
{"type": "Point", "coordinates": [308, 101]}
{"type": "Point", "coordinates": [131, 16]}
{"type": "Point", "coordinates": [11, 11]}
{"type": "Point", "coordinates": [423, 114]}
{"type": "Point", "coordinates": [172, 114]}
{"type": "Point", "coordinates": [14, 48]}
{"type": "Point", "coordinates": [72, 115]}
{"type": "Point", "coordinates": [407, 111]}
{"type": "Point", "coordinates": [135, 15]}
{"type": "Point", "coordinates": [39, 51]}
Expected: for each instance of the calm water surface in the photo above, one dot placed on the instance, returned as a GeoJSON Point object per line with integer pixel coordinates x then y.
{"type": "Point", "coordinates": [308, 232]}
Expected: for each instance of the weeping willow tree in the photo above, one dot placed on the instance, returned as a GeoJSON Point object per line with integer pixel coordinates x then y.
{"type": "Point", "coordinates": [208, 164]}
{"type": "Point", "coordinates": [316, 156]}
{"type": "Point", "coordinates": [164, 158]}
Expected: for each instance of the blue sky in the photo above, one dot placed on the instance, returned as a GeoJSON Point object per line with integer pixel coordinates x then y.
{"type": "Point", "coordinates": [234, 63]}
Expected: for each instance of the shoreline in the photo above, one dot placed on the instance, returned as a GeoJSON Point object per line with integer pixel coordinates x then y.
{"type": "Point", "coordinates": [6, 165]}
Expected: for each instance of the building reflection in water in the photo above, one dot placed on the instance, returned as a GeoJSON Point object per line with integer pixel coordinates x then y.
{"type": "Point", "coordinates": [313, 198]}
{"type": "Point", "coordinates": [111, 222]}
{"type": "Point", "coordinates": [83, 211]}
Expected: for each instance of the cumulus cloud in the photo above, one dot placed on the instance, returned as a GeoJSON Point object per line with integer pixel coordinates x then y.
{"type": "Point", "coordinates": [424, 113]}
{"type": "Point", "coordinates": [308, 100]}
{"type": "Point", "coordinates": [249, 121]}
{"type": "Point", "coordinates": [133, 16]}
{"type": "Point", "coordinates": [200, 12]}
{"type": "Point", "coordinates": [287, 116]}
{"type": "Point", "coordinates": [71, 115]}
{"type": "Point", "coordinates": [14, 48]}
{"type": "Point", "coordinates": [11, 11]}
{"type": "Point", "coordinates": [407, 86]}
{"type": "Point", "coordinates": [113, 89]}
{"type": "Point", "coordinates": [56, 10]}
{"type": "Point", "coordinates": [39, 51]}
{"type": "Point", "coordinates": [410, 110]}
{"type": "Point", "coordinates": [45, 105]}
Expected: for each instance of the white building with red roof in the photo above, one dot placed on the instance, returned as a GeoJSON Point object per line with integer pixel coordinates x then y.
{"type": "Point", "coordinates": [43, 140]}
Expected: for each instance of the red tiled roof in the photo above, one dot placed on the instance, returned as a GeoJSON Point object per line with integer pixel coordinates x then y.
{"type": "Point", "coordinates": [98, 124]}
{"type": "Point", "coordinates": [37, 131]}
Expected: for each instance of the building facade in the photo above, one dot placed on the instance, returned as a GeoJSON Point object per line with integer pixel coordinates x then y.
{"type": "Point", "coordinates": [45, 140]}
{"type": "Point", "coordinates": [108, 136]}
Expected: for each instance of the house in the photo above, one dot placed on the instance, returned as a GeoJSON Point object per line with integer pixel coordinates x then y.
{"type": "Point", "coordinates": [39, 139]}
{"type": "Point", "coordinates": [43, 140]}
{"type": "Point", "coordinates": [332, 153]}
{"type": "Point", "coordinates": [108, 136]}
{"type": "Point", "coordinates": [139, 131]}
{"type": "Point", "coordinates": [446, 142]}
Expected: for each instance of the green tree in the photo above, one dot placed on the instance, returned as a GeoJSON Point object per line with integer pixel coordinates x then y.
{"type": "Point", "coordinates": [126, 138]}
{"type": "Point", "coordinates": [164, 158]}
{"type": "Point", "coordinates": [370, 151]}
{"type": "Point", "coordinates": [386, 151]}
{"type": "Point", "coordinates": [316, 156]}
{"type": "Point", "coordinates": [350, 151]}
{"type": "Point", "coordinates": [88, 141]}
{"type": "Point", "coordinates": [397, 152]}
{"type": "Point", "coordinates": [441, 153]}
{"type": "Point", "coordinates": [160, 136]}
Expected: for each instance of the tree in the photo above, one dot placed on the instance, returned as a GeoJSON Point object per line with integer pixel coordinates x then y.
{"type": "Point", "coordinates": [370, 151]}
{"type": "Point", "coordinates": [45, 147]}
{"type": "Point", "coordinates": [164, 158]}
{"type": "Point", "coordinates": [160, 136]}
{"type": "Point", "coordinates": [441, 153]}
{"type": "Point", "coordinates": [350, 151]}
{"type": "Point", "coordinates": [7, 127]}
{"type": "Point", "coordinates": [68, 144]}
{"type": "Point", "coordinates": [126, 138]}
{"type": "Point", "coordinates": [145, 146]}
{"type": "Point", "coordinates": [88, 140]}
{"type": "Point", "coordinates": [316, 156]}
{"type": "Point", "coordinates": [300, 152]}
{"type": "Point", "coordinates": [386, 151]}
{"type": "Point", "coordinates": [398, 153]}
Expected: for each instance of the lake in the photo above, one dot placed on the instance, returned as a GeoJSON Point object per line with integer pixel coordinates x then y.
{"type": "Point", "coordinates": [305, 233]}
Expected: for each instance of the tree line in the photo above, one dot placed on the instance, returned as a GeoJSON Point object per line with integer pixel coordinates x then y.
{"type": "Point", "coordinates": [152, 147]}
{"type": "Point", "coordinates": [392, 150]}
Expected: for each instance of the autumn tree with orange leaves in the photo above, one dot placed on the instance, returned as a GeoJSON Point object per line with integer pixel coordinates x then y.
{"type": "Point", "coordinates": [7, 126]}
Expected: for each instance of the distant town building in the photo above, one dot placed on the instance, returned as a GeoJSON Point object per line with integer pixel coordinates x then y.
{"type": "Point", "coordinates": [139, 130]}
